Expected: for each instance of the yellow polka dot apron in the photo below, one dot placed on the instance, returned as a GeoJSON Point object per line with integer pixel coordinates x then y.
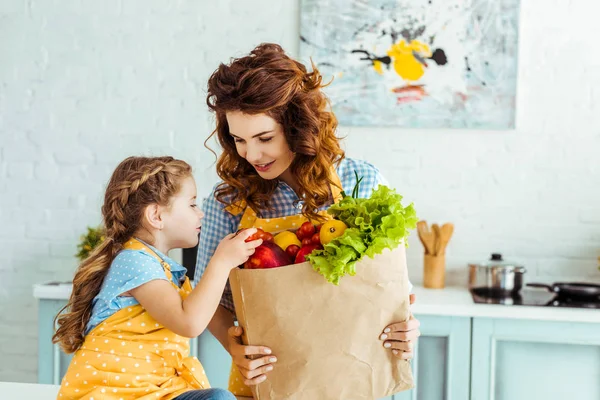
{"type": "Point", "coordinates": [273, 225]}
{"type": "Point", "coordinates": [132, 356]}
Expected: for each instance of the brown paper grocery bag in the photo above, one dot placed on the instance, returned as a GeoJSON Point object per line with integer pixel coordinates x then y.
{"type": "Point", "coordinates": [325, 337]}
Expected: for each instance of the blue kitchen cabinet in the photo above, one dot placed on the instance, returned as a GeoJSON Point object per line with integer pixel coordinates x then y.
{"type": "Point", "coordinates": [441, 366]}
{"type": "Point", "coordinates": [525, 359]}
{"type": "Point", "coordinates": [215, 360]}
{"type": "Point", "coordinates": [52, 361]}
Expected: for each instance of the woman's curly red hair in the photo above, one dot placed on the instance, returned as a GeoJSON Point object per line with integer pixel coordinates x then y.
{"type": "Point", "coordinates": [269, 82]}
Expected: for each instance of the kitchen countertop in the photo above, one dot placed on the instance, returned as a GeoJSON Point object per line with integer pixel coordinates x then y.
{"type": "Point", "coordinates": [451, 301]}
{"type": "Point", "coordinates": [457, 301]}
{"type": "Point", "coordinates": [52, 291]}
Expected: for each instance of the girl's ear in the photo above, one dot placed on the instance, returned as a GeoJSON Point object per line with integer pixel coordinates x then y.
{"type": "Point", "coordinates": [153, 216]}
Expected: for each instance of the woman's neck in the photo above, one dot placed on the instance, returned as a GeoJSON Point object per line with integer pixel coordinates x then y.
{"type": "Point", "coordinates": [290, 180]}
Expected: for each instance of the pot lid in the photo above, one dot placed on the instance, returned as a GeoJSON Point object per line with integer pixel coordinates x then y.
{"type": "Point", "coordinates": [496, 260]}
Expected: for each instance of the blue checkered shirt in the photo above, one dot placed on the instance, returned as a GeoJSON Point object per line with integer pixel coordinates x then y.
{"type": "Point", "coordinates": [218, 222]}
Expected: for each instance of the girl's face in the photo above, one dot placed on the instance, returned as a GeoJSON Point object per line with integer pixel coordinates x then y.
{"type": "Point", "coordinates": [182, 218]}
{"type": "Point", "coordinates": [261, 141]}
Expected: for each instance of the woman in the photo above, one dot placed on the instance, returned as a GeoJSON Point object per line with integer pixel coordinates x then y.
{"type": "Point", "coordinates": [281, 165]}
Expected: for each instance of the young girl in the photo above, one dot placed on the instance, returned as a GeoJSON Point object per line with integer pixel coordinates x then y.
{"type": "Point", "coordinates": [132, 309]}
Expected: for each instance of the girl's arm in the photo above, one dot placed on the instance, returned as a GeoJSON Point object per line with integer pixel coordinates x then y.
{"type": "Point", "coordinates": [191, 316]}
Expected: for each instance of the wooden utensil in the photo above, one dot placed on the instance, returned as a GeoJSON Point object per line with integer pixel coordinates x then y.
{"type": "Point", "coordinates": [437, 239]}
{"type": "Point", "coordinates": [446, 232]}
{"type": "Point", "coordinates": [427, 237]}
{"type": "Point", "coordinates": [435, 242]}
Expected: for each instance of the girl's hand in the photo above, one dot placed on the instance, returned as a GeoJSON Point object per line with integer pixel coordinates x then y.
{"type": "Point", "coordinates": [234, 250]}
{"type": "Point", "coordinates": [399, 336]}
{"type": "Point", "coordinates": [250, 360]}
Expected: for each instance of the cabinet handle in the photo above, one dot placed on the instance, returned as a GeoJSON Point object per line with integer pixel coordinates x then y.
{"type": "Point", "coordinates": [56, 362]}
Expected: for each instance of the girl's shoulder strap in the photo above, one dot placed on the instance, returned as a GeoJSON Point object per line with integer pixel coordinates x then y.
{"type": "Point", "coordinates": [135, 244]}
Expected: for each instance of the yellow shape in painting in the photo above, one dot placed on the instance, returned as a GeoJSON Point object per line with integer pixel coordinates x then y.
{"type": "Point", "coordinates": [405, 63]}
{"type": "Point", "coordinates": [378, 66]}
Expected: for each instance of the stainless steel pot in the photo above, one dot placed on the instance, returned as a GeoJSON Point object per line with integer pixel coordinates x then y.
{"type": "Point", "coordinates": [496, 276]}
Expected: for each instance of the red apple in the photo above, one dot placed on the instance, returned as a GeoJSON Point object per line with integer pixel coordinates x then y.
{"type": "Point", "coordinates": [307, 241]}
{"type": "Point", "coordinates": [268, 255]}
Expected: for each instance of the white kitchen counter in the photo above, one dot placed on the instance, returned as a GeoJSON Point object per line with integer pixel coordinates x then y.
{"type": "Point", "coordinates": [457, 301]}
{"type": "Point", "coordinates": [14, 390]}
{"type": "Point", "coordinates": [52, 292]}
{"type": "Point", "coordinates": [451, 301]}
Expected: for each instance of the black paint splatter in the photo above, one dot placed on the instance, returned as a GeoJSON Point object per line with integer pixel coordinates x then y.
{"type": "Point", "coordinates": [368, 56]}
{"type": "Point", "coordinates": [439, 56]}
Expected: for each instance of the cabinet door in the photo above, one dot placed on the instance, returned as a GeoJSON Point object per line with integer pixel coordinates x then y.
{"type": "Point", "coordinates": [441, 366]}
{"type": "Point", "coordinates": [215, 360]}
{"type": "Point", "coordinates": [524, 359]}
{"type": "Point", "coordinates": [52, 362]}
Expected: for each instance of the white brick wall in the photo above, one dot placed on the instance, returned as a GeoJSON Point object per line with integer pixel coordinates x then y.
{"type": "Point", "coordinates": [84, 84]}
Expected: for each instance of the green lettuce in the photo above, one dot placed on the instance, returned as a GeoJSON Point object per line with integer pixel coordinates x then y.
{"type": "Point", "coordinates": [374, 224]}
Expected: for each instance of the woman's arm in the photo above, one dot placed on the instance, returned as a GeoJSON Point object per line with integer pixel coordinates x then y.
{"type": "Point", "coordinates": [219, 324]}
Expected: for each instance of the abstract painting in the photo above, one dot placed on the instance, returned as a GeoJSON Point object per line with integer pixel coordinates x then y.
{"type": "Point", "coordinates": [415, 63]}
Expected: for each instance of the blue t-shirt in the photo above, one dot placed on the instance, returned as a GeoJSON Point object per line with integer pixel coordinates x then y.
{"type": "Point", "coordinates": [130, 269]}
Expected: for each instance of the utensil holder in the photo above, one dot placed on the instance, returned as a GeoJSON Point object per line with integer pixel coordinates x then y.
{"type": "Point", "coordinates": [434, 273]}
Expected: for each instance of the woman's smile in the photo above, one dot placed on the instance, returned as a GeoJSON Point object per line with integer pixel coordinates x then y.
{"type": "Point", "coordinates": [263, 167]}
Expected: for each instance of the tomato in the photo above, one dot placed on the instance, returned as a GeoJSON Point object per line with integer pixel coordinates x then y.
{"type": "Point", "coordinates": [292, 250]}
{"type": "Point", "coordinates": [316, 238]}
{"type": "Point", "coordinates": [260, 234]}
{"type": "Point", "coordinates": [306, 230]}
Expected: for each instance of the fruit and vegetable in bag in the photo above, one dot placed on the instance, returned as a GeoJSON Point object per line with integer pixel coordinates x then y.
{"type": "Point", "coordinates": [373, 224]}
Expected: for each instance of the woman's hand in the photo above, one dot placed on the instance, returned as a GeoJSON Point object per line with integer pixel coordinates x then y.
{"type": "Point", "coordinates": [399, 336]}
{"type": "Point", "coordinates": [250, 360]}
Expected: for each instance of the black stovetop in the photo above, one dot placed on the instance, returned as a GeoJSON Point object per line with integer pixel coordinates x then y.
{"type": "Point", "coordinates": [531, 297]}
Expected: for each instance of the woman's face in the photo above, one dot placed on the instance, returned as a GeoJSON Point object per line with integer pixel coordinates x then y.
{"type": "Point", "coordinates": [261, 141]}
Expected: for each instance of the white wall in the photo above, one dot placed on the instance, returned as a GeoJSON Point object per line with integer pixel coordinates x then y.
{"type": "Point", "coordinates": [83, 84]}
